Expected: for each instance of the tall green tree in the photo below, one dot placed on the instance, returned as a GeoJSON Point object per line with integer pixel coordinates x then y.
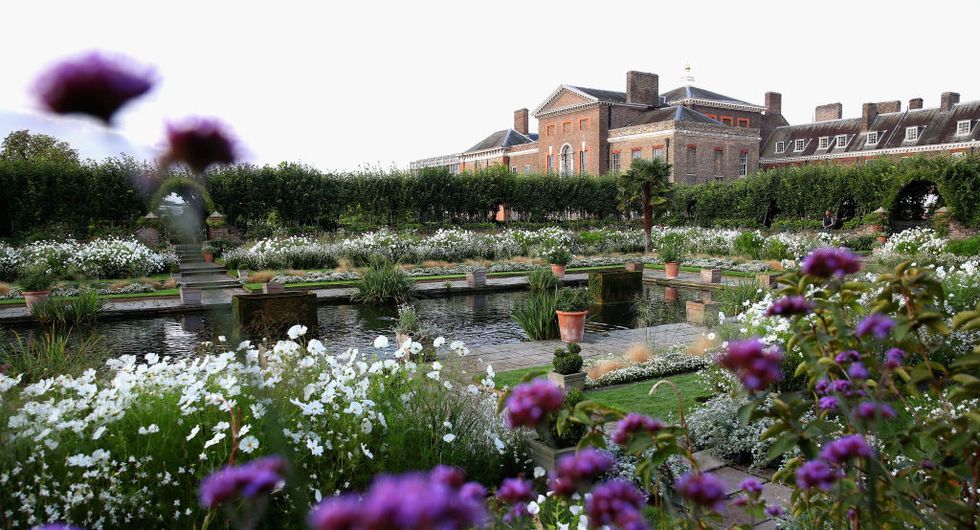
{"type": "Point", "coordinates": [649, 182]}
{"type": "Point", "coordinates": [23, 145]}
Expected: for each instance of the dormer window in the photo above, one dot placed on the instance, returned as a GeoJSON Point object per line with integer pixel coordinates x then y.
{"type": "Point", "coordinates": [824, 142]}
{"type": "Point", "coordinates": [840, 141]}
{"type": "Point", "coordinates": [911, 134]}
{"type": "Point", "coordinates": [798, 145]}
{"type": "Point", "coordinates": [963, 127]}
{"type": "Point", "coordinates": [780, 147]}
{"type": "Point", "coordinates": [872, 138]}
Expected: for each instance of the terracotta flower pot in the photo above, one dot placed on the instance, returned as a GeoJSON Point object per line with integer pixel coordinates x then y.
{"type": "Point", "coordinates": [670, 294]}
{"type": "Point", "coordinates": [209, 257]}
{"type": "Point", "coordinates": [34, 297]}
{"type": "Point", "coordinates": [559, 271]}
{"type": "Point", "coordinates": [671, 268]}
{"type": "Point", "coordinates": [571, 325]}
{"type": "Point", "coordinates": [882, 239]}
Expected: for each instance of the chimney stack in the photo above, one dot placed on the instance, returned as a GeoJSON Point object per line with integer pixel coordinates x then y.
{"type": "Point", "coordinates": [642, 88]}
{"type": "Point", "coordinates": [889, 106]}
{"type": "Point", "coordinates": [774, 103]}
{"type": "Point", "coordinates": [868, 114]}
{"type": "Point", "coordinates": [520, 121]}
{"type": "Point", "coordinates": [947, 100]}
{"type": "Point", "coordinates": [915, 103]}
{"type": "Point", "coordinates": [830, 111]}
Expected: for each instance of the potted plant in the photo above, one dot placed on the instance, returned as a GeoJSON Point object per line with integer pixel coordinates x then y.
{"type": "Point", "coordinates": [35, 283]}
{"type": "Point", "coordinates": [572, 310]}
{"type": "Point", "coordinates": [567, 363]}
{"type": "Point", "coordinates": [670, 253]}
{"type": "Point", "coordinates": [207, 250]}
{"type": "Point", "coordinates": [410, 327]}
{"type": "Point", "coordinates": [550, 446]}
{"type": "Point", "coordinates": [559, 258]}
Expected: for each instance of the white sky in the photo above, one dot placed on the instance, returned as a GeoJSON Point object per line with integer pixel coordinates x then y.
{"type": "Point", "coordinates": [345, 84]}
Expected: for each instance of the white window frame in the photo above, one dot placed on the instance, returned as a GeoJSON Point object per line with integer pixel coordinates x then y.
{"type": "Point", "coordinates": [799, 145]}
{"type": "Point", "coordinates": [964, 127]}
{"type": "Point", "coordinates": [840, 140]}
{"type": "Point", "coordinates": [780, 147]}
{"type": "Point", "coordinates": [911, 134]}
{"type": "Point", "coordinates": [824, 142]}
{"type": "Point", "coordinates": [743, 164]}
{"type": "Point", "coordinates": [877, 138]}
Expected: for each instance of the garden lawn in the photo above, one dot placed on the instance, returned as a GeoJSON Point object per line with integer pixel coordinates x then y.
{"type": "Point", "coordinates": [160, 292]}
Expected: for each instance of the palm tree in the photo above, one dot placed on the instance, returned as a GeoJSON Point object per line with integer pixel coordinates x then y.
{"type": "Point", "coordinates": [648, 181]}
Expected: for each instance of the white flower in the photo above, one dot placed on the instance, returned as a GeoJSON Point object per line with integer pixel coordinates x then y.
{"type": "Point", "coordinates": [316, 347]}
{"type": "Point", "coordinates": [539, 472]}
{"type": "Point", "coordinates": [98, 432]}
{"type": "Point", "coordinates": [448, 438]}
{"type": "Point", "coordinates": [194, 431]}
{"type": "Point", "coordinates": [248, 444]}
{"type": "Point", "coordinates": [439, 342]}
{"type": "Point", "coordinates": [221, 338]}
{"type": "Point", "coordinates": [366, 426]}
{"type": "Point", "coordinates": [214, 440]}
{"type": "Point", "coordinates": [149, 430]}
{"type": "Point", "coordinates": [416, 347]}
{"type": "Point", "coordinates": [367, 452]}
{"type": "Point", "coordinates": [315, 448]}
{"type": "Point", "coordinates": [381, 342]}
{"type": "Point", "coordinates": [296, 331]}
{"type": "Point", "coordinates": [711, 336]}
{"type": "Point", "coordinates": [533, 508]}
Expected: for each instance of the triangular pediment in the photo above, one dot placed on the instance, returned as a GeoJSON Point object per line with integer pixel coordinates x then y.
{"type": "Point", "coordinates": [564, 97]}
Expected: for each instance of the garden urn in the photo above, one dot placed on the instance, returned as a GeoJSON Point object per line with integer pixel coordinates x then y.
{"type": "Point", "coordinates": [34, 297]}
{"type": "Point", "coordinates": [671, 269]}
{"type": "Point", "coordinates": [558, 270]}
{"type": "Point", "coordinates": [571, 325]}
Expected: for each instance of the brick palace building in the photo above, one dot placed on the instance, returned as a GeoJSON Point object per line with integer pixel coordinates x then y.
{"type": "Point", "coordinates": [707, 136]}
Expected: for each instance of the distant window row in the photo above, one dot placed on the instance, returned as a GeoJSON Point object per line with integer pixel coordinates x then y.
{"type": "Point", "coordinates": [963, 128]}
{"type": "Point", "coordinates": [730, 120]}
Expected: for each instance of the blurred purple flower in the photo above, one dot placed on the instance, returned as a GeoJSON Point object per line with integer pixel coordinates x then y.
{"type": "Point", "coordinates": [574, 471]}
{"type": "Point", "coordinates": [246, 481]}
{"type": "Point", "coordinates": [822, 386]}
{"type": "Point", "coordinates": [774, 510]}
{"type": "Point", "coordinates": [751, 485]}
{"type": "Point", "coordinates": [755, 364]}
{"type": "Point", "coordinates": [530, 403]}
{"type": "Point", "coordinates": [845, 448]}
{"type": "Point", "coordinates": [858, 371]}
{"type": "Point", "coordinates": [93, 83]}
{"type": "Point", "coordinates": [616, 503]}
{"type": "Point", "coordinates": [634, 423]}
{"type": "Point", "coordinates": [870, 410]}
{"type": "Point", "coordinates": [336, 513]}
{"type": "Point", "coordinates": [828, 403]}
{"type": "Point", "coordinates": [515, 490]}
{"type": "Point", "coordinates": [453, 477]}
{"type": "Point", "coordinates": [816, 474]}
{"type": "Point", "coordinates": [702, 489]}
{"type": "Point", "coordinates": [199, 143]}
{"type": "Point", "coordinates": [847, 356]}
{"type": "Point", "coordinates": [57, 526]}
{"type": "Point", "coordinates": [877, 324]}
{"type": "Point", "coordinates": [894, 358]}
{"type": "Point", "coordinates": [826, 262]}
{"type": "Point", "coordinates": [790, 305]}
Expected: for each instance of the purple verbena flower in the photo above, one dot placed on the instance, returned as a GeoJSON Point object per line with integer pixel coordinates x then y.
{"type": "Point", "coordinates": [816, 474]}
{"type": "Point", "coordinates": [702, 489]}
{"type": "Point", "coordinates": [755, 364]}
{"type": "Point", "coordinates": [530, 403]}
{"type": "Point", "coordinates": [858, 371]}
{"type": "Point", "coordinates": [847, 356]}
{"type": "Point", "coordinates": [822, 386]}
{"type": "Point", "coordinates": [828, 403]}
{"type": "Point", "coordinates": [616, 503]}
{"type": "Point", "coordinates": [199, 143]}
{"type": "Point", "coordinates": [790, 305]}
{"type": "Point", "coordinates": [573, 471]}
{"type": "Point", "coordinates": [841, 385]}
{"type": "Point", "coordinates": [453, 477]}
{"type": "Point", "coordinates": [634, 423]}
{"type": "Point", "coordinates": [751, 485]}
{"type": "Point", "coordinates": [845, 448]}
{"type": "Point", "coordinates": [94, 83]}
{"type": "Point", "coordinates": [870, 410]}
{"type": "Point", "coordinates": [336, 513]}
{"type": "Point", "coordinates": [774, 510]}
{"type": "Point", "coordinates": [894, 358]}
{"type": "Point", "coordinates": [826, 262]}
{"type": "Point", "coordinates": [876, 324]}
{"type": "Point", "coordinates": [515, 490]}
{"type": "Point", "coordinates": [57, 526]}
{"type": "Point", "coordinates": [246, 481]}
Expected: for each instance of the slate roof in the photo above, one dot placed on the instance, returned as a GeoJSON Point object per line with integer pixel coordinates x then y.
{"type": "Point", "coordinates": [693, 92]}
{"type": "Point", "coordinates": [504, 138]}
{"type": "Point", "coordinates": [676, 113]}
{"type": "Point", "coordinates": [935, 127]}
{"type": "Point", "coordinates": [603, 95]}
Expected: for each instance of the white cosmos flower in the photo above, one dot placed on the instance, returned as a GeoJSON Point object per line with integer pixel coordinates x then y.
{"type": "Point", "coordinates": [248, 444]}
{"type": "Point", "coordinates": [221, 338]}
{"type": "Point", "coordinates": [296, 331]}
{"type": "Point", "coordinates": [447, 424]}
{"type": "Point", "coordinates": [316, 347]}
{"type": "Point", "coordinates": [539, 472]}
{"type": "Point", "coordinates": [381, 342]}
{"type": "Point", "coordinates": [98, 432]}
{"type": "Point", "coordinates": [439, 342]}
{"type": "Point", "coordinates": [194, 431]}
{"type": "Point", "coordinates": [416, 347]}
{"type": "Point", "coordinates": [533, 508]}
{"type": "Point", "coordinates": [153, 428]}
{"type": "Point", "coordinates": [367, 452]}
{"type": "Point", "coordinates": [448, 438]}
{"type": "Point", "coordinates": [366, 426]}
{"type": "Point", "coordinates": [315, 448]}
{"type": "Point", "coordinates": [214, 440]}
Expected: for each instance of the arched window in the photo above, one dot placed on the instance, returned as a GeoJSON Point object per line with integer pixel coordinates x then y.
{"type": "Point", "coordinates": [566, 160]}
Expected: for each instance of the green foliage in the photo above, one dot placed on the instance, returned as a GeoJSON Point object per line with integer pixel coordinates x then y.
{"type": "Point", "coordinates": [51, 355]}
{"type": "Point", "coordinates": [572, 433]}
{"type": "Point", "coordinates": [671, 248]}
{"type": "Point", "coordinates": [570, 299]}
{"type": "Point", "coordinates": [219, 246]}
{"type": "Point", "coordinates": [382, 283]}
{"type": "Point", "coordinates": [35, 277]}
{"type": "Point", "coordinates": [25, 146]}
{"type": "Point", "coordinates": [542, 279]}
{"type": "Point", "coordinates": [964, 247]}
{"type": "Point", "coordinates": [537, 315]}
{"type": "Point", "coordinates": [749, 244]}
{"type": "Point", "coordinates": [861, 243]}
{"type": "Point", "coordinates": [568, 361]}
{"type": "Point", "coordinates": [559, 256]}
{"type": "Point", "coordinates": [83, 309]}
{"type": "Point", "coordinates": [733, 297]}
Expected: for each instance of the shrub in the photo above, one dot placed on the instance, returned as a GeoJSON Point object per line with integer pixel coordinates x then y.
{"type": "Point", "coordinates": [537, 315]}
{"type": "Point", "coordinates": [749, 244]}
{"type": "Point", "coordinates": [559, 256]}
{"type": "Point", "coordinates": [382, 283]}
{"type": "Point", "coordinates": [573, 433]}
{"type": "Point", "coordinates": [568, 361]}
{"type": "Point", "coordinates": [861, 243]}
{"type": "Point", "coordinates": [36, 277]}
{"type": "Point", "coordinates": [570, 299]}
{"type": "Point", "coordinates": [542, 279]}
{"type": "Point", "coordinates": [671, 248]}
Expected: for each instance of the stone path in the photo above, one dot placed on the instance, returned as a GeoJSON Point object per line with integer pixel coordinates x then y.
{"type": "Point", "coordinates": [772, 493]}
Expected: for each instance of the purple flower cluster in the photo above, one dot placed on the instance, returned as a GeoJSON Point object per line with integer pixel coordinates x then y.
{"type": "Point", "coordinates": [824, 387]}
{"type": "Point", "coordinates": [816, 474]}
{"type": "Point", "coordinates": [847, 357]}
{"type": "Point", "coordinates": [790, 305]}
{"type": "Point", "coordinates": [858, 372]}
{"type": "Point", "coordinates": [823, 472]}
{"type": "Point", "coordinates": [530, 403]}
{"type": "Point", "coordinates": [894, 358]}
{"type": "Point", "coordinates": [634, 423]}
{"type": "Point", "coordinates": [246, 481]}
{"type": "Point", "coordinates": [199, 143]}
{"type": "Point", "coordinates": [870, 410]}
{"type": "Point", "coordinates": [438, 500]}
{"type": "Point", "coordinates": [575, 471]}
{"type": "Point", "coordinates": [755, 364]}
{"type": "Point", "coordinates": [516, 492]}
{"type": "Point", "coordinates": [828, 403]}
{"type": "Point", "coordinates": [95, 83]}
{"type": "Point", "coordinates": [876, 324]}
{"type": "Point", "coordinates": [751, 486]}
{"type": "Point", "coordinates": [616, 503]}
{"type": "Point", "coordinates": [845, 448]}
{"type": "Point", "coordinates": [702, 489]}
{"type": "Point", "coordinates": [57, 526]}
{"type": "Point", "coordinates": [826, 262]}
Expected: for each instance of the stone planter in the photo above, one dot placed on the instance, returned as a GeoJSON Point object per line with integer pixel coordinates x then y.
{"type": "Point", "coordinates": [545, 456]}
{"type": "Point", "coordinates": [190, 296]}
{"type": "Point", "coordinates": [634, 266]}
{"type": "Point", "coordinates": [34, 297]}
{"type": "Point", "coordinates": [476, 278]}
{"type": "Point", "coordinates": [671, 269]}
{"type": "Point", "coordinates": [273, 288]}
{"type": "Point", "coordinates": [568, 382]}
{"type": "Point", "coordinates": [766, 281]}
{"type": "Point", "coordinates": [558, 270]}
{"type": "Point", "coordinates": [711, 275]}
{"type": "Point", "coordinates": [699, 312]}
{"type": "Point", "coordinates": [571, 325]}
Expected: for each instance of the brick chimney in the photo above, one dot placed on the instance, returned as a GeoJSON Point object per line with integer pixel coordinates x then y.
{"type": "Point", "coordinates": [520, 121]}
{"type": "Point", "coordinates": [642, 88]}
{"type": "Point", "coordinates": [915, 103]}
{"type": "Point", "coordinates": [947, 100]}
{"type": "Point", "coordinates": [889, 106]}
{"type": "Point", "coordinates": [830, 111]}
{"type": "Point", "coordinates": [774, 103]}
{"type": "Point", "coordinates": [868, 114]}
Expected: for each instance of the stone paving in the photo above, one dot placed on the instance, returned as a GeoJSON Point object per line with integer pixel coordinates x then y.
{"type": "Point", "coordinates": [772, 493]}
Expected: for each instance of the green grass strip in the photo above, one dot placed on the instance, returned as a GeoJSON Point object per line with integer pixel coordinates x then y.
{"type": "Point", "coordinates": [117, 296]}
